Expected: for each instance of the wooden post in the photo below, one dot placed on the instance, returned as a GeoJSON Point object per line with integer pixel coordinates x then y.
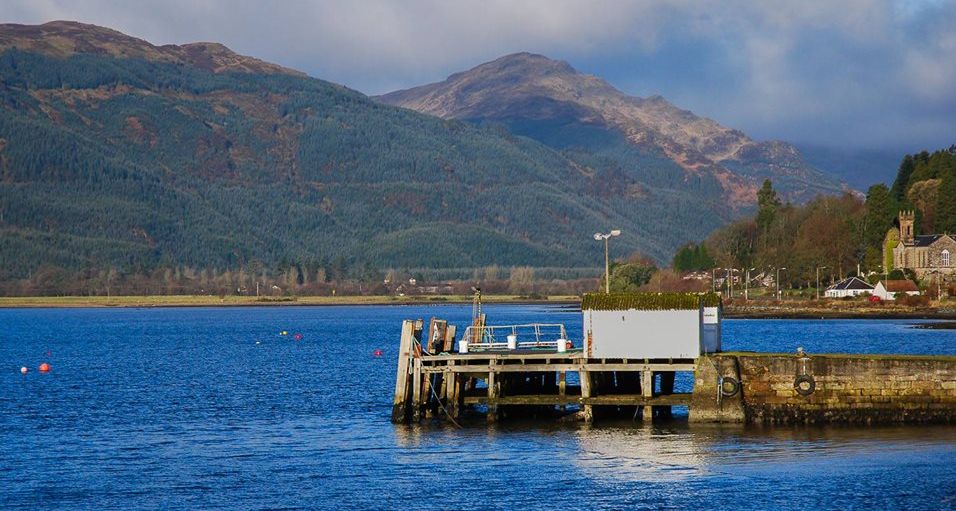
{"type": "Point", "coordinates": [492, 395]}
{"type": "Point", "coordinates": [416, 390]}
{"type": "Point", "coordinates": [587, 411]}
{"type": "Point", "coordinates": [437, 335]}
{"type": "Point", "coordinates": [647, 390]}
{"type": "Point", "coordinates": [418, 383]}
{"type": "Point", "coordinates": [400, 403]}
{"type": "Point", "coordinates": [456, 400]}
{"type": "Point", "coordinates": [449, 343]}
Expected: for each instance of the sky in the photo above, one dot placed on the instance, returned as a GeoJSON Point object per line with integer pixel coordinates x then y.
{"type": "Point", "coordinates": [838, 73]}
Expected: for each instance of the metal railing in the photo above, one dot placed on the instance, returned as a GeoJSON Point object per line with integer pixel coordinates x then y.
{"type": "Point", "coordinates": [528, 336]}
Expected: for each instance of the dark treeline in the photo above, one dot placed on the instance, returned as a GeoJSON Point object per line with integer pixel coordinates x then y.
{"type": "Point", "coordinates": [309, 279]}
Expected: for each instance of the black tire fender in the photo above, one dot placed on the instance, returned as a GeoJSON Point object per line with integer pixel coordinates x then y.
{"type": "Point", "coordinates": [800, 380]}
{"type": "Point", "coordinates": [734, 386]}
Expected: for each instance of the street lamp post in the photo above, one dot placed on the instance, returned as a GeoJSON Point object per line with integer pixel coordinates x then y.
{"type": "Point", "coordinates": [713, 279]}
{"type": "Point", "coordinates": [747, 284]}
{"type": "Point", "coordinates": [730, 276]}
{"type": "Point", "coordinates": [777, 281]}
{"type": "Point", "coordinates": [818, 279]}
{"type": "Point", "coordinates": [607, 262]}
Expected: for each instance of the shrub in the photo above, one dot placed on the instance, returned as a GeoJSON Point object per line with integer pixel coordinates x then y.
{"type": "Point", "coordinates": [916, 300]}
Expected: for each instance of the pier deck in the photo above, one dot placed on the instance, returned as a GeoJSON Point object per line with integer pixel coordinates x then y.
{"type": "Point", "coordinates": [531, 379]}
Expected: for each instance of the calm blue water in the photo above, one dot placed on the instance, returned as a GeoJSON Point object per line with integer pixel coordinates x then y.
{"type": "Point", "coordinates": [212, 409]}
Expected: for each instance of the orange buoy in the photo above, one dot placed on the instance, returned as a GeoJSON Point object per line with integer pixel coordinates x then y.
{"type": "Point", "coordinates": [297, 337]}
{"type": "Point", "coordinates": [23, 370]}
{"type": "Point", "coordinates": [377, 353]}
{"type": "Point", "coordinates": [44, 368]}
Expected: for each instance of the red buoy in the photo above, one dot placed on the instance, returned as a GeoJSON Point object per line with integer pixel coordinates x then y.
{"type": "Point", "coordinates": [44, 368]}
{"type": "Point", "coordinates": [297, 337]}
{"type": "Point", "coordinates": [377, 353]}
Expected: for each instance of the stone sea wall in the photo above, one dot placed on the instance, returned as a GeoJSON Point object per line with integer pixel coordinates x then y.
{"type": "Point", "coordinates": [818, 389]}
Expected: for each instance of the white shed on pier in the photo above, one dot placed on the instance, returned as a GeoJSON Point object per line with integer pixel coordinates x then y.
{"type": "Point", "coordinates": [651, 325]}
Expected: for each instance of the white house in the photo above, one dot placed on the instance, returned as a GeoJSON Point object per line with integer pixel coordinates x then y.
{"type": "Point", "coordinates": [887, 290]}
{"type": "Point", "coordinates": [852, 286]}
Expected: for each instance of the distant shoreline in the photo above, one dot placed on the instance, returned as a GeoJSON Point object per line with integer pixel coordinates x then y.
{"type": "Point", "coordinates": [20, 302]}
{"type": "Point", "coordinates": [753, 310]}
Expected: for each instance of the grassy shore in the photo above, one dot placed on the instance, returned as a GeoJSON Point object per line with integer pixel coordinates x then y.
{"type": "Point", "coordinates": [229, 301]}
{"type": "Point", "coordinates": [754, 309]}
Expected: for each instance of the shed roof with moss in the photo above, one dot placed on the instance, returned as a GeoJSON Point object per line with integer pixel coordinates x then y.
{"type": "Point", "coordinates": [648, 301]}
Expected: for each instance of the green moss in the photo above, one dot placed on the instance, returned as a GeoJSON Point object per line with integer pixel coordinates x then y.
{"type": "Point", "coordinates": [648, 301]}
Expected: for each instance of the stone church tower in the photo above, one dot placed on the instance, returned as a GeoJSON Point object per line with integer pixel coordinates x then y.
{"type": "Point", "coordinates": [907, 220]}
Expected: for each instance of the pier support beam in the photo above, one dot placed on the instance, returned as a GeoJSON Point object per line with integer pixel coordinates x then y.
{"type": "Point", "coordinates": [492, 395]}
{"type": "Point", "coordinates": [647, 390]}
{"type": "Point", "coordinates": [401, 405]}
{"type": "Point", "coordinates": [587, 411]}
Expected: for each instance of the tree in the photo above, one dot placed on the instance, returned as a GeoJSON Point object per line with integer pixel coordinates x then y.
{"type": "Point", "coordinates": [946, 203]}
{"type": "Point", "coordinates": [521, 279]}
{"type": "Point", "coordinates": [629, 277]}
{"type": "Point", "coordinates": [692, 257]}
{"type": "Point", "coordinates": [767, 204]}
{"type": "Point", "coordinates": [881, 209]}
{"type": "Point", "coordinates": [902, 182]}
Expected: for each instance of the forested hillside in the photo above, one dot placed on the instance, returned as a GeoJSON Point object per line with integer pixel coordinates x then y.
{"type": "Point", "coordinates": [118, 157]}
{"type": "Point", "coordinates": [838, 232]}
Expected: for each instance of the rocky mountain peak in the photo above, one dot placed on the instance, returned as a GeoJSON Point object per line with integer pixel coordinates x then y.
{"type": "Point", "coordinates": [526, 91]}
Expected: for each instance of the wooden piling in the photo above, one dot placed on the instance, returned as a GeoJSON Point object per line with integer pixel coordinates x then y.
{"type": "Point", "coordinates": [492, 396]}
{"type": "Point", "coordinates": [647, 390]}
{"type": "Point", "coordinates": [400, 405]}
{"type": "Point", "coordinates": [587, 412]}
{"type": "Point", "coordinates": [416, 390]}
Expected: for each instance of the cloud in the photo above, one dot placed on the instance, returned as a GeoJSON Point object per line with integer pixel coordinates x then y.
{"type": "Point", "coordinates": [856, 73]}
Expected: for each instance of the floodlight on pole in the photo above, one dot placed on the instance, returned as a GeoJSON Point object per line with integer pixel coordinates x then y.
{"type": "Point", "coordinates": [607, 262]}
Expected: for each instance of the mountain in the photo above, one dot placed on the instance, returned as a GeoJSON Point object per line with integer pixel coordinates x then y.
{"type": "Point", "coordinates": [116, 154]}
{"type": "Point", "coordinates": [551, 102]}
{"type": "Point", "coordinates": [860, 168]}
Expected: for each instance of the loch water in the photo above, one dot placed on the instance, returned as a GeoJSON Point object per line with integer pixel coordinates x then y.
{"type": "Point", "coordinates": [211, 408]}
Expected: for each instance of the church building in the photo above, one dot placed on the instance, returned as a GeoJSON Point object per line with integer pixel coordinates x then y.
{"type": "Point", "coordinates": [924, 254]}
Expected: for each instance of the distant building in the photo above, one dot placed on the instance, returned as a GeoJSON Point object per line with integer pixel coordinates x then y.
{"type": "Point", "coordinates": [925, 253]}
{"type": "Point", "coordinates": [887, 290]}
{"type": "Point", "coordinates": [852, 286]}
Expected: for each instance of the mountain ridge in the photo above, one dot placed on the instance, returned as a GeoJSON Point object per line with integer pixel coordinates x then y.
{"type": "Point", "coordinates": [118, 154]}
{"type": "Point", "coordinates": [531, 87]}
{"type": "Point", "coordinates": [63, 38]}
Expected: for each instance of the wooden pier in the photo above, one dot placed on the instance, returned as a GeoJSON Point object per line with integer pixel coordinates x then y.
{"type": "Point", "coordinates": [434, 382]}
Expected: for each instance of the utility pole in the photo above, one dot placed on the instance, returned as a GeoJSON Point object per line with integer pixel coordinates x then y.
{"type": "Point", "coordinates": [777, 281]}
{"type": "Point", "coordinates": [747, 284]}
{"type": "Point", "coordinates": [818, 279]}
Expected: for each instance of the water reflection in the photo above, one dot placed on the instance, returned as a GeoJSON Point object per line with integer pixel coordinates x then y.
{"type": "Point", "coordinates": [642, 452]}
